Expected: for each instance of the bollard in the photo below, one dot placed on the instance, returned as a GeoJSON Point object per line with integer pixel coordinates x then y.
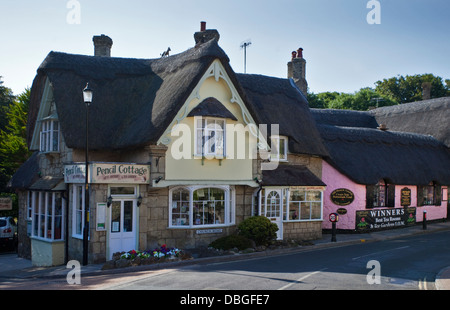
{"type": "Point", "coordinates": [333, 232]}
{"type": "Point", "coordinates": [424, 221]}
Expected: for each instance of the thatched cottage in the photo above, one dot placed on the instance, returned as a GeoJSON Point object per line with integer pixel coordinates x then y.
{"type": "Point", "coordinates": [180, 148]}
{"type": "Point", "coordinates": [378, 178]}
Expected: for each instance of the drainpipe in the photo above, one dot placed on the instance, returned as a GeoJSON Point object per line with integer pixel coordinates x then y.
{"type": "Point", "coordinates": [257, 195]}
{"type": "Point", "coordinates": [66, 226]}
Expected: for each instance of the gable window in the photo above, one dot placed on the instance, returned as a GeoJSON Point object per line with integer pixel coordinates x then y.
{"type": "Point", "coordinates": [381, 194]}
{"type": "Point", "coordinates": [429, 194]}
{"type": "Point", "coordinates": [279, 148]}
{"type": "Point", "coordinates": [209, 136]}
{"type": "Point", "coordinates": [49, 140]}
{"type": "Point", "coordinates": [199, 206]}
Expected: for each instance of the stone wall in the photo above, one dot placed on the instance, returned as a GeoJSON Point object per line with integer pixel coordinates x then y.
{"type": "Point", "coordinates": [304, 231]}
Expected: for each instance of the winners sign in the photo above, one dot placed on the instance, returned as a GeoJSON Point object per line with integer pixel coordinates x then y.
{"type": "Point", "coordinates": [369, 220]}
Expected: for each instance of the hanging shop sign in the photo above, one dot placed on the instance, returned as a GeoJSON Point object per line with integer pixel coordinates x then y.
{"type": "Point", "coordinates": [75, 173]}
{"type": "Point", "coordinates": [405, 197]}
{"type": "Point", "coordinates": [342, 196]}
{"type": "Point", "coordinates": [108, 173]}
{"type": "Point", "coordinates": [5, 203]}
{"type": "Point", "coordinates": [368, 220]}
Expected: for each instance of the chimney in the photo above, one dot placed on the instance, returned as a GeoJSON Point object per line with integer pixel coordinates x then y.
{"type": "Point", "coordinates": [102, 45]}
{"type": "Point", "coordinates": [205, 35]}
{"type": "Point", "coordinates": [426, 90]}
{"type": "Point", "coordinates": [297, 70]}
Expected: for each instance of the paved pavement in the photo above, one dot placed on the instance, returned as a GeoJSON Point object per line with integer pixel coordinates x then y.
{"type": "Point", "coordinates": [12, 266]}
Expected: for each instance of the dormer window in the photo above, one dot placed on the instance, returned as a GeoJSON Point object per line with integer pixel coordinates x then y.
{"type": "Point", "coordinates": [49, 139]}
{"type": "Point", "coordinates": [279, 148]}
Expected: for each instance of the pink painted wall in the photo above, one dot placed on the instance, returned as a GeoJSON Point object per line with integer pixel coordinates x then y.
{"type": "Point", "coordinates": [334, 180]}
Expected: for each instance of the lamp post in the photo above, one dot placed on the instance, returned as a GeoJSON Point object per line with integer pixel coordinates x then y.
{"type": "Point", "coordinates": [87, 96]}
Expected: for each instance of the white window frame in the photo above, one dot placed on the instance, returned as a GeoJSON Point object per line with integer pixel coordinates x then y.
{"type": "Point", "coordinates": [276, 141]}
{"type": "Point", "coordinates": [43, 206]}
{"type": "Point", "coordinates": [285, 202]}
{"type": "Point", "coordinates": [49, 134]}
{"type": "Point", "coordinates": [203, 131]}
{"type": "Point", "coordinates": [77, 212]}
{"type": "Point", "coordinates": [229, 206]}
{"type": "Point", "coordinates": [305, 201]}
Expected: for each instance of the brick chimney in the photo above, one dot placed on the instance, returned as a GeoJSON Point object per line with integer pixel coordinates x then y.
{"type": "Point", "coordinates": [102, 45]}
{"type": "Point", "coordinates": [297, 70]}
{"type": "Point", "coordinates": [205, 35]}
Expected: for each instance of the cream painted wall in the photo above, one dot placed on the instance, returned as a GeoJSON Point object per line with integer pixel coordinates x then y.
{"type": "Point", "coordinates": [238, 162]}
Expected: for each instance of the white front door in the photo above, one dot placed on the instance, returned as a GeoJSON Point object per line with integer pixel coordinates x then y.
{"type": "Point", "coordinates": [122, 226]}
{"type": "Point", "coordinates": [273, 209]}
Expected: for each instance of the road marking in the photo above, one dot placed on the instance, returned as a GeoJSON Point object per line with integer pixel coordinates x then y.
{"type": "Point", "coordinates": [301, 279]}
{"type": "Point", "coordinates": [371, 254]}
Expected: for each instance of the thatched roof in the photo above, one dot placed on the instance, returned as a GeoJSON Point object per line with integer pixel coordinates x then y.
{"type": "Point", "coordinates": [293, 175]}
{"type": "Point", "coordinates": [134, 99]}
{"type": "Point", "coordinates": [213, 108]}
{"type": "Point", "coordinates": [27, 174]}
{"type": "Point", "coordinates": [428, 117]}
{"type": "Point", "coordinates": [367, 155]}
{"type": "Point", "coordinates": [279, 101]}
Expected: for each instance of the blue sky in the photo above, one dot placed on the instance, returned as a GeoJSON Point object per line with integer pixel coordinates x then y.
{"type": "Point", "coordinates": [343, 52]}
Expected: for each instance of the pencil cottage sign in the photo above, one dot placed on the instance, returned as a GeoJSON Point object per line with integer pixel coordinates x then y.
{"type": "Point", "coordinates": [108, 173]}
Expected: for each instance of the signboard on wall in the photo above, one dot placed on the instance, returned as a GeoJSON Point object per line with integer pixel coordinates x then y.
{"type": "Point", "coordinates": [405, 197]}
{"type": "Point", "coordinates": [342, 196]}
{"type": "Point", "coordinates": [120, 173]}
{"type": "Point", "coordinates": [368, 220]}
{"type": "Point", "coordinates": [108, 173]}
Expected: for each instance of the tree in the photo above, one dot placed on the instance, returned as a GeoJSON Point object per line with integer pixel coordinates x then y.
{"type": "Point", "coordinates": [362, 100]}
{"type": "Point", "coordinates": [6, 98]}
{"type": "Point", "coordinates": [13, 146]}
{"type": "Point", "coordinates": [409, 88]}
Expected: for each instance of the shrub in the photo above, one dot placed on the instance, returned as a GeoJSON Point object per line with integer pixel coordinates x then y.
{"type": "Point", "coordinates": [259, 229]}
{"type": "Point", "coordinates": [230, 242]}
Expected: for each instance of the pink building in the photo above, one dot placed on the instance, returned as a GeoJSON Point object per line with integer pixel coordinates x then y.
{"type": "Point", "coordinates": [380, 179]}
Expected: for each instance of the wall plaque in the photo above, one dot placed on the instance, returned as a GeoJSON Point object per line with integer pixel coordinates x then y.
{"type": "Point", "coordinates": [342, 197]}
{"type": "Point", "coordinates": [405, 197]}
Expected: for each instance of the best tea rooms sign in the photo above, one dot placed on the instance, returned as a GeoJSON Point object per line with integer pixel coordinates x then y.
{"type": "Point", "coordinates": [108, 173]}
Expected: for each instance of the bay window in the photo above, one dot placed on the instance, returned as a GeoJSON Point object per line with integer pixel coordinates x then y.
{"type": "Point", "coordinates": [47, 210]}
{"type": "Point", "coordinates": [196, 206]}
{"type": "Point", "coordinates": [295, 204]}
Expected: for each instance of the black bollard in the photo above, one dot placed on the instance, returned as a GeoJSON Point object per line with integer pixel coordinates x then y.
{"type": "Point", "coordinates": [333, 232]}
{"type": "Point", "coordinates": [424, 222]}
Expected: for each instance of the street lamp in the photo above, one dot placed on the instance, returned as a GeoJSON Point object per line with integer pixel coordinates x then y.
{"type": "Point", "coordinates": [87, 97]}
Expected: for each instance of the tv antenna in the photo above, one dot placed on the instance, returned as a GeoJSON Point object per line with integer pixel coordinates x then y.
{"type": "Point", "coordinates": [244, 45]}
